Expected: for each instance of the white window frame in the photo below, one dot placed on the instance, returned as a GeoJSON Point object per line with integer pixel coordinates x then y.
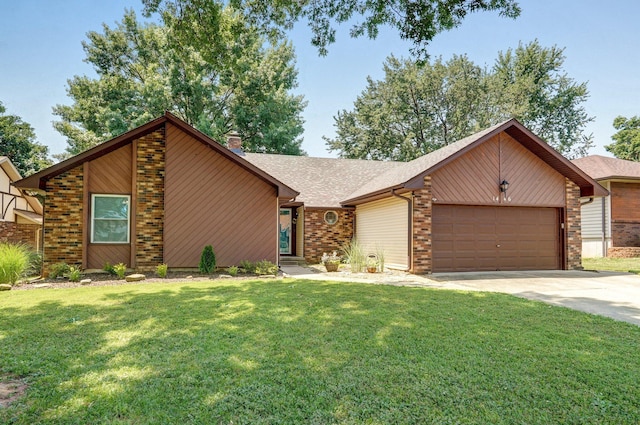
{"type": "Point", "coordinates": [93, 217]}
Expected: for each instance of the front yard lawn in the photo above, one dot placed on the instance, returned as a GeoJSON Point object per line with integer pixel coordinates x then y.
{"type": "Point", "coordinates": [612, 264]}
{"type": "Point", "coordinates": [308, 352]}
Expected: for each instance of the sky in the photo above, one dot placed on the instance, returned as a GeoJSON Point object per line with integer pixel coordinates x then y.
{"type": "Point", "coordinates": [40, 49]}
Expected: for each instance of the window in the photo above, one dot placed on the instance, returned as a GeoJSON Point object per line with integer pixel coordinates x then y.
{"type": "Point", "coordinates": [110, 218]}
{"type": "Point", "coordinates": [331, 217]}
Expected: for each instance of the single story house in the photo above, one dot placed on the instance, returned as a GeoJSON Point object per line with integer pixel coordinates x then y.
{"type": "Point", "coordinates": [20, 213]}
{"type": "Point", "coordinates": [612, 221]}
{"type": "Point", "coordinates": [501, 199]}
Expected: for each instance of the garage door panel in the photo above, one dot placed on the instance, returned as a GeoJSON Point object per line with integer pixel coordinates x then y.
{"type": "Point", "coordinates": [467, 238]}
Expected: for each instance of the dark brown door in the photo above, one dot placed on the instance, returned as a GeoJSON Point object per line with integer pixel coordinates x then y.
{"type": "Point", "coordinates": [472, 238]}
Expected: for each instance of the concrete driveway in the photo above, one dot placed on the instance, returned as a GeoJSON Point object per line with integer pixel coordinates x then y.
{"type": "Point", "coordinates": [611, 294]}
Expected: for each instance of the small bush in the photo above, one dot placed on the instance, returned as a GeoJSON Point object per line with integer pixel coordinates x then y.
{"type": "Point", "coordinates": [120, 269]}
{"type": "Point", "coordinates": [58, 270]}
{"type": "Point", "coordinates": [207, 260]}
{"type": "Point", "coordinates": [233, 271]}
{"type": "Point", "coordinates": [35, 264]}
{"type": "Point", "coordinates": [14, 260]}
{"type": "Point", "coordinates": [108, 267]}
{"type": "Point", "coordinates": [161, 270]}
{"type": "Point", "coordinates": [248, 266]}
{"type": "Point", "coordinates": [266, 267]}
{"type": "Point", "coordinates": [74, 274]}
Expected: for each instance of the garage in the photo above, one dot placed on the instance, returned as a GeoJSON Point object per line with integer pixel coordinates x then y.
{"type": "Point", "coordinates": [470, 238]}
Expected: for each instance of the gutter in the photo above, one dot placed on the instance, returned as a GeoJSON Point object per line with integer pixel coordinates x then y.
{"type": "Point", "coordinates": [409, 226]}
{"type": "Point", "coordinates": [588, 202]}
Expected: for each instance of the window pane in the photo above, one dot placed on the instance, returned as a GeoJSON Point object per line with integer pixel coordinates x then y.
{"type": "Point", "coordinates": [110, 231]}
{"type": "Point", "coordinates": [111, 207]}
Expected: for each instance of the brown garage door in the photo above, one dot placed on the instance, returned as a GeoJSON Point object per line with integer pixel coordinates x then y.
{"type": "Point", "coordinates": [470, 238]}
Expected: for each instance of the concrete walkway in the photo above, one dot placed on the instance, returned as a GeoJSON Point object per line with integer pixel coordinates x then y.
{"type": "Point", "coordinates": [610, 294]}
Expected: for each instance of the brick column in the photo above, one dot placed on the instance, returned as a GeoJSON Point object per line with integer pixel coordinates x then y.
{"type": "Point", "coordinates": [572, 226]}
{"type": "Point", "coordinates": [422, 246]}
{"type": "Point", "coordinates": [149, 209]}
{"type": "Point", "coordinates": [320, 237]}
{"type": "Point", "coordinates": [63, 205]}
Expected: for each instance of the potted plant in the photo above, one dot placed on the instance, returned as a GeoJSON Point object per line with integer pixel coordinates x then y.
{"type": "Point", "coordinates": [372, 264]}
{"type": "Point", "coordinates": [331, 262]}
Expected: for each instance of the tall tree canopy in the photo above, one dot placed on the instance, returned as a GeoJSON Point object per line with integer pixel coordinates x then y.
{"type": "Point", "coordinates": [18, 143]}
{"type": "Point", "coordinates": [144, 70]}
{"type": "Point", "coordinates": [626, 142]}
{"type": "Point", "coordinates": [420, 107]}
{"type": "Point", "coordinates": [418, 21]}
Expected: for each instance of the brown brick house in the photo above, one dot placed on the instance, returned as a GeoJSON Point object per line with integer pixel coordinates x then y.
{"type": "Point", "coordinates": [612, 221]}
{"type": "Point", "coordinates": [500, 199]}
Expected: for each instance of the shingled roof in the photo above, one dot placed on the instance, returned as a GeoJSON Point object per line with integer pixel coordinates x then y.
{"type": "Point", "coordinates": [604, 168]}
{"type": "Point", "coordinates": [322, 182]}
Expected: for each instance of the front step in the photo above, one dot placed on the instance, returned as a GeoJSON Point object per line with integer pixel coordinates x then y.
{"type": "Point", "coordinates": [292, 261]}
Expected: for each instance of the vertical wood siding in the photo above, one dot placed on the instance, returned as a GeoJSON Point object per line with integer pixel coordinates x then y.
{"type": "Point", "coordinates": [108, 174]}
{"type": "Point", "coordinates": [384, 224]}
{"type": "Point", "coordinates": [475, 177]}
{"type": "Point", "coordinates": [211, 200]}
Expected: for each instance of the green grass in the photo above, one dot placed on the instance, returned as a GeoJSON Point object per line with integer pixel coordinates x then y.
{"type": "Point", "coordinates": [308, 352]}
{"type": "Point", "coordinates": [612, 264]}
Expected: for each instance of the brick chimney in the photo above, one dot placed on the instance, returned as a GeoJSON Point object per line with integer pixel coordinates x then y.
{"type": "Point", "coordinates": [234, 143]}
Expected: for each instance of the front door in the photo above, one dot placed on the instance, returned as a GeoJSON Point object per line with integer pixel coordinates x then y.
{"type": "Point", "coordinates": [286, 231]}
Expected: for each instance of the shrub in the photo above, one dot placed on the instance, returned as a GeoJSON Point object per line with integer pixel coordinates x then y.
{"type": "Point", "coordinates": [266, 267]}
{"type": "Point", "coordinates": [74, 274]}
{"type": "Point", "coordinates": [207, 260]}
{"type": "Point", "coordinates": [35, 264]}
{"type": "Point", "coordinates": [58, 270]}
{"type": "Point", "coordinates": [161, 270]}
{"type": "Point", "coordinates": [354, 255]}
{"type": "Point", "coordinates": [233, 271]}
{"type": "Point", "coordinates": [108, 267]}
{"type": "Point", "coordinates": [14, 260]}
{"type": "Point", "coordinates": [248, 266]}
{"type": "Point", "coordinates": [120, 269]}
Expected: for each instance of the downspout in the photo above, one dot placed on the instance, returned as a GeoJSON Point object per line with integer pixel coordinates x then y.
{"type": "Point", "coordinates": [604, 228]}
{"type": "Point", "coordinates": [409, 226]}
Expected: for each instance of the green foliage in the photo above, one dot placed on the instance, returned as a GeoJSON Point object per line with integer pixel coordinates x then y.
{"type": "Point", "coordinates": [58, 270]}
{"type": "Point", "coordinates": [161, 270]}
{"type": "Point", "coordinates": [381, 258]}
{"type": "Point", "coordinates": [143, 70]}
{"type": "Point", "coordinates": [247, 266]}
{"type": "Point", "coordinates": [14, 261]}
{"type": "Point", "coordinates": [108, 267]}
{"type": "Point", "coordinates": [418, 21]}
{"type": "Point", "coordinates": [264, 267]}
{"type": "Point", "coordinates": [18, 143]}
{"type": "Point", "coordinates": [306, 351]}
{"type": "Point", "coordinates": [35, 263]}
{"type": "Point", "coordinates": [354, 255]}
{"type": "Point", "coordinates": [207, 263]}
{"type": "Point", "coordinates": [120, 270]}
{"type": "Point", "coordinates": [420, 107]}
{"type": "Point", "coordinates": [626, 141]}
{"type": "Point", "coordinates": [74, 274]}
{"type": "Point", "coordinates": [233, 271]}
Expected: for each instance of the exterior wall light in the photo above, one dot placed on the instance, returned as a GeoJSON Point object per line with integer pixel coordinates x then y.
{"type": "Point", "coordinates": [504, 186]}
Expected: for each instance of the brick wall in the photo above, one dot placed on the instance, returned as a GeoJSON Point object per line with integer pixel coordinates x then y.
{"type": "Point", "coordinates": [625, 233]}
{"type": "Point", "coordinates": [573, 226]}
{"type": "Point", "coordinates": [150, 171]}
{"type": "Point", "coordinates": [320, 237]}
{"type": "Point", "coordinates": [63, 219]}
{"type": "Point", "coordinates": [422, 245]}
{"type": "Point", "coordinates": [19, 233]}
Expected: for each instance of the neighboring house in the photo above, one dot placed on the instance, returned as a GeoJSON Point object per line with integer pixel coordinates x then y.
{"type": "Point", "coordinates": [613, 221]}
{"type": "Point", "coordinates": [444, 211]}
{"type": "Point", "coordinates": [20, 214]}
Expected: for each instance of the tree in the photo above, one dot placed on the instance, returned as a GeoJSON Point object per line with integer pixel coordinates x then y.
{"type": "Point", "coordinates": [418, 21]}
{"type": "Point", "coordinates": [144, 70]}
{"type": "Point", "coordinates": [18, 143]}
{"type": "Point", "coordinates": [626, 142]}
{"type": "Point", "coordinates": [416, 109]}
{"type": "Point", "coordinates": [420, 107]}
